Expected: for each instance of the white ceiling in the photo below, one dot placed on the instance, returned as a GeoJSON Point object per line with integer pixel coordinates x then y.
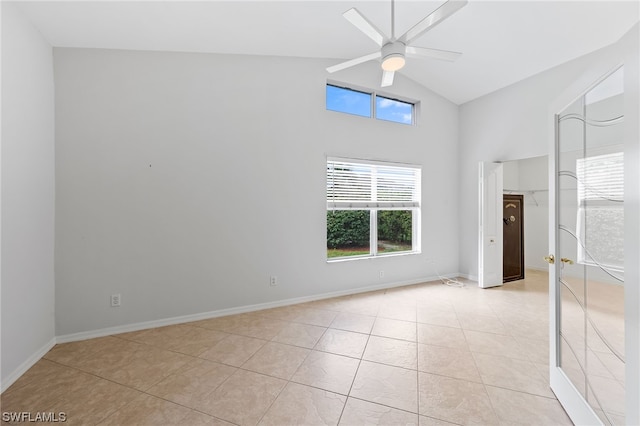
{"type": "Point", "coordinates": [502, 41]}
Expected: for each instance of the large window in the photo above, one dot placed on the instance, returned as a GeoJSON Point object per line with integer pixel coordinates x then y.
{"type": "Point", "coordinates": [601, 211]}
{"type": "Point", "coordinates": [369, 104]}
{"type": "Point", "coordinates": [373, 208]}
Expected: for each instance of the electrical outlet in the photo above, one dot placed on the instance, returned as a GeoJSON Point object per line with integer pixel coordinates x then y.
{"type": "Point", "coordinates": [381, 274]}
{"type": "Point", "coordinates": [273, 281]}
{"type": "Point", "coordinates": [115, 300]}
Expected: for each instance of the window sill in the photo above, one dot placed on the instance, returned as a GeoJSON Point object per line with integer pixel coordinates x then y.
{"type": "Point", "coordinates": [380, 256]}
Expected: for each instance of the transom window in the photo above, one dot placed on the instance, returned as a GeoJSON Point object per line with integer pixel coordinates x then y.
{"type": "Point", "coordinates": [348, 101]}
{"type": "Point", "coordinates": [394, 110]}
{"type": "Point", "coordinates": [373, 208]}
{"type": "Point", "coordinates": [369, 104]}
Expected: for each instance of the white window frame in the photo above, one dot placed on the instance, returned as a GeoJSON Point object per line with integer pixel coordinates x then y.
{"type": "Point", "coordinates": [370, 200]}
{"type": "Point", "coordinates": [373, 107]}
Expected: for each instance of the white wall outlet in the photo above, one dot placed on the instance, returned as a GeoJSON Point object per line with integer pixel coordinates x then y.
{"type": "Point", "coordinates": [115, 300]}
{"type": "Point", "coordinates": [273, 281]}
{"type": "Point", "coordinates": [381, 274]}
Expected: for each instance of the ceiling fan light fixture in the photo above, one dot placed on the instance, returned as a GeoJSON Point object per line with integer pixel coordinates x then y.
{"type": "Point", "coordinates": [393, 56]}
{"type": "Point", "coordinates": [393, 62]}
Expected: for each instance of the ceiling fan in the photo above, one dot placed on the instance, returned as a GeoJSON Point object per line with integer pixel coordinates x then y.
{"type": "Point", "coordinates": [394, 50]}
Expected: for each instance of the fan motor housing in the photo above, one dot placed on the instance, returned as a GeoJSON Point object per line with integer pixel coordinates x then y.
{"type": "Point", "coordinates": [393, 48]}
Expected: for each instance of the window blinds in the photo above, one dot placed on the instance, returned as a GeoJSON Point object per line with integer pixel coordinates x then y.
{"type": "Point", "coordinates": [371, 185]}
{"type": "Point", "coordinates": [601, 177]}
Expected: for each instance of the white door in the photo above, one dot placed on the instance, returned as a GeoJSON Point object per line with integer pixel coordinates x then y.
{"type": "Point", "coordinates": [490, 225]}
{"type": "Point", "coordinates": [587, 365]}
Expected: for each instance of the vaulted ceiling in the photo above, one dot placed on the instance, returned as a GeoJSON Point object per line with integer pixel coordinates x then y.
{"type": "Point", "coordinates": [502, 41]}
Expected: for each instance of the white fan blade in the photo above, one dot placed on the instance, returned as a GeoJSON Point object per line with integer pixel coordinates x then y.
{"type": "Point", "coordinates": [437, 16]}
{"type": "Point", "coordinates": [387, 78]}
{"type": "Point", "coordinates": [353, 62]}
{"type": "Point", "coordinates": [423, 52]}
{"type": "Point", "coordinates": [363, 24]}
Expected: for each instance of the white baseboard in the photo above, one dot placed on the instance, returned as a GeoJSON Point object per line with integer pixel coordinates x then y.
{"type": "Point", "coordinates": [473, 278]}
{"type": "Point", "coordinates": [236, 310]}
{"type": "Point", "coordinates": [27, 364]}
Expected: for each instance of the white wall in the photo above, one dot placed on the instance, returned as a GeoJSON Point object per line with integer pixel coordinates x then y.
{"type": "Point", "coordinates": [509, 124]}
{"type": "Point", "coordinates": [27, 195]}
{"type": "Point", "coordinates": [510, 178]}
{"type": "Point", "coordinates": [184, 181]}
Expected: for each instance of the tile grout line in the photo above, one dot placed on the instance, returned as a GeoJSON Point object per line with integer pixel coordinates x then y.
{"type": "Point", "coordinates": [355, 376]}
{"type": "Point", "coordinates": [294, 373]}
{"type": "Point", "coordinates": [484, 386]}
{"type": "Point", "coordinates": [140, 391]}
{"type": "Point", "coordinates": [145, 391]}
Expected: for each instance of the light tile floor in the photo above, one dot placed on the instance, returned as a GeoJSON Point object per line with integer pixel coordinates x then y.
{"type": "Point", "coordinates": [426, 354]}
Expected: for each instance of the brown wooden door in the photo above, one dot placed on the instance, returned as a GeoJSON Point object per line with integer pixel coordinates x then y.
{"type": "Point", "coordinates": [513, 238]}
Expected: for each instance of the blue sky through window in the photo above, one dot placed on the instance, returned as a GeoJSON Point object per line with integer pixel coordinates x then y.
{"type": "Point", "coordinates": [349, 101]}
{"type": "Point", "coordinates": [393, 110]}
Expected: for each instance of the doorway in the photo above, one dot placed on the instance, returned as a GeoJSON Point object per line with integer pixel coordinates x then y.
{"type": "Point", "coordinates": [513, 237]}
{"type": "Point", "coordinates": [527, 177]}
